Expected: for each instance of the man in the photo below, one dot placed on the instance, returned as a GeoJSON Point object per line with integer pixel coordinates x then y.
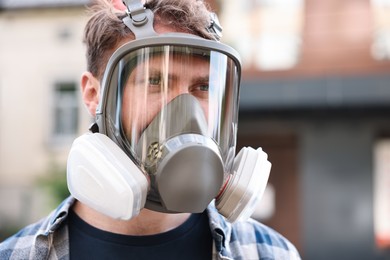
{"type": "Point", "coordinates": [164, 94]}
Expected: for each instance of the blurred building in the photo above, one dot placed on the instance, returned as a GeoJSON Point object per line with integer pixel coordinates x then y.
{"type": "Point", "coordinates": [315, 95]}
{"type": "Point", "coordinates": [41, 61]}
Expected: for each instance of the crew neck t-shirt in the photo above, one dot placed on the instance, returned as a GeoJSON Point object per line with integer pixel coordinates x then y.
{"type": "Point", "coordinates": [190, 240]}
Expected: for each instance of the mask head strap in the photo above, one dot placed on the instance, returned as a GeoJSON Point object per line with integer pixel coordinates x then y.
{"type": "Point", "coordinates": [215, 27]}
{"type": "Point", "coordinates": [139, 19]}
{"type": "Point", "coordinates": [136, 12]}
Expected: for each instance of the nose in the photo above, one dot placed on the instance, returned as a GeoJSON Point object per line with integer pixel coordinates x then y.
{"type": "Point", "coordinates": [175, 91]}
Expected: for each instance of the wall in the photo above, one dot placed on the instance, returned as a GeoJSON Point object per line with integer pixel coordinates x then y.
{"type": "Point", "coordinates": [38, 47]}
{"type": "Point", "coordinates": [337, 190]}
{"type": "Point", "coordinates": [335, 171]}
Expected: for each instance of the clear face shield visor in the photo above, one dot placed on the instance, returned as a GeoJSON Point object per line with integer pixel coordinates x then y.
{"type": "Point", "coordinates": [164, 98]}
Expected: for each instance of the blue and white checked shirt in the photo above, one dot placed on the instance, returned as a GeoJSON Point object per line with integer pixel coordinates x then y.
{"type": "Point", "coordinates": [48, 239]}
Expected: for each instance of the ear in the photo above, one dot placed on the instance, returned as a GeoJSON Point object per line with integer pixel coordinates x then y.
{"type": "Point", "coordinates": [90, 88]}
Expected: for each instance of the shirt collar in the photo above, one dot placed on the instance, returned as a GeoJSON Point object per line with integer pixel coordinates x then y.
{"type": "Point", "coordinates": [59, 215]}
{"type": "Point", "coordinates": [220, 228]}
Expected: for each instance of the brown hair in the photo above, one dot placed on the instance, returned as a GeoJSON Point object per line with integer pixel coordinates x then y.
{"type": "Point", "coordinates": [105, 29]}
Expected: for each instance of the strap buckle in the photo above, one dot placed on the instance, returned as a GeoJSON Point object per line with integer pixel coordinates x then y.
{"type": "Point", "coordinates": [136, 12]}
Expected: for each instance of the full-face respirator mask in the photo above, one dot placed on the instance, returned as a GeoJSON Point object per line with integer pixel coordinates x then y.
{"type": "Point", "coordinates": [165, 131]}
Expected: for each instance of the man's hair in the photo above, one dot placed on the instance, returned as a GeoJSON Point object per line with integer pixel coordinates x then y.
{"type": "Point", "coordinates": [105, 28]}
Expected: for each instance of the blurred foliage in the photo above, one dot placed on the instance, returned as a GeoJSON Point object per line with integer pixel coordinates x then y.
{"type": "Point", "coordinates": [54, 182]}
{"type": "Point", "coordinates": [8, 231]}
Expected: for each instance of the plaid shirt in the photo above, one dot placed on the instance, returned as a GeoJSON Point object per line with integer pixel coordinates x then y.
{"type": "Point", "coordinates": [48, 239]}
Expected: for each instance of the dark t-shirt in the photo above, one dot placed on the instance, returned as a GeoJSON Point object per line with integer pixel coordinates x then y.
{"type": "Point", "coordinates": [191, 240]}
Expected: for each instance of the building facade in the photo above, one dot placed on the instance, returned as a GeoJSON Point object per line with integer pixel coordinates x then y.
{"type": "Point", "coordinates": [41, 61]}
{"type": "Point", "coordinates": [316, 96]}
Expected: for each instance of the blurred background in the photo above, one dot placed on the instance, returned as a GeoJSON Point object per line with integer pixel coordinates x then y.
{"type": "Point", "coordinates": [315, 96]}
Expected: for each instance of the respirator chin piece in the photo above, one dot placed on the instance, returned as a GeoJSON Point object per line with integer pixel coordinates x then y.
{"type": "Point", "coordinates": [102, 176]}
{"type": "Point", "coordinates": [245, 186]}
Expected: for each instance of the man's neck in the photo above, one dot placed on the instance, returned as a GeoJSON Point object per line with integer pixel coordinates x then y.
{"type": "Point", "coordinates": [148, 222]}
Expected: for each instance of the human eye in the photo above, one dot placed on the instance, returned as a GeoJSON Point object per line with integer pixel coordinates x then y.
{"type": "Point", "coordinates": [204, 87]}
{"type": "Point", "coordinates": [154, 83]}
{"type": "Point", "coordinates": [154, 80]}
{"type": "Point", "coordinates": [200, 90]}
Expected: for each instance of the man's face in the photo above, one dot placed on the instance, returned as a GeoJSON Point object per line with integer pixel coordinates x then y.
{"type": "Point", "coordinates": [153, 83]}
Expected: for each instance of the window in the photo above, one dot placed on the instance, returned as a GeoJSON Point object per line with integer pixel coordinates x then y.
{"type": "Point", "coordinates": [380, 47]}
{"type": "Point", "coordinates": [65, 110]}
{"type": "Point", "coordinates": [266, 33]}
{"type": "Point", "coordinates": [382, 193]}
{"type": "Point", "coordinates": [265, 209]}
